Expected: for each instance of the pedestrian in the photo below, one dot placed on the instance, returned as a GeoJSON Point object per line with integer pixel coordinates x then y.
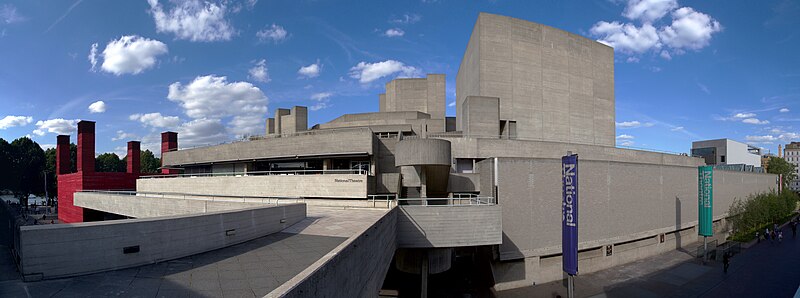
{"type": "Point", "coordinates": [726, 261]}
{"type": "Point", "coordinates": [766, 235]}
{"type": "Point", "coordinates": [758, 237]}
{"type": "Point", "coordinates": [780, 236]}
{"type": "Point", "coordinates": [794, 229]}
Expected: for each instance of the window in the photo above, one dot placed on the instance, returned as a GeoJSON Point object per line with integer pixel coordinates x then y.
{"type": "Point", "coordinates": [722, 158]}
{"type": "Point", "coordinates": [360, 165]}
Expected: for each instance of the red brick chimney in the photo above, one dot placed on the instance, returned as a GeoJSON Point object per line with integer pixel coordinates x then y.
{"type": "Point", "coordinates": [134, 154]}
{"type": "Point", "coordinates": [86, 146]}
{"type": "Point", "coordinates": [169, 142]}
{"type": "Point", "coordinates": [63, 162]}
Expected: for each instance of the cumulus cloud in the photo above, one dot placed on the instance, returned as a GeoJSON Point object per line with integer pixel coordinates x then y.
{"type": "Point", "coordinates": [633, 124]}
{"type": "Point", "coordinates": [129, 54]}
{"type": "Point", "coordinates": [156, 120]}
{"type": "Point", "coordinates": [201, 132]}
{"type": "Point", "coordinates": [311, 71]}
{"type": "Point", "coordinates": [214, 97]}
{"type": "Point", "coordinates": [744, 115]}
{"type": "Point", "coordinates": [755, 121]}
{"type": "Point", "coordinates": [677, 128]}
{"type": "Point", "coordinates": [273, 33]}
{"type": "Point", "coordinates": [624, 137]}
{"type": "Point", "coordinates": [764, 138]}
{"type": "Point", "coordinates": [122, 135]}
{"type": "Point", "coordinates": [394, 32]}
{"type": "Point", "coordinates": [648, 10]}
{"type": "Point", "coordinates": [259, 72]}
{"type": "Point", "coordinates": [451, 104]}
{"type": "Point", "coordinates": [97, 107]}
{"type": "Point", "coordinates": [368, 72]}
{"type": "Point", "coordinates": [12, 121]}
{"type": "Point", "coordinates": [784, 110]}
{"type": "Point", "coordinates": [58, 126]}
{"type": "Point", "coordinates": [687, 29]}
{"type": "Point", "coordinates": [322, 99]}
{"type": "Point", "coordinates": [193, 20]}
{"type": "Point", "coordinates": [93, 56]}
{"type": "Point", "coordinates": [409, 18]}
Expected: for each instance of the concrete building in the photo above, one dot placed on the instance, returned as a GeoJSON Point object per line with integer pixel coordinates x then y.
{"type": "Point", "coordinates": [727, 152]}
{"type": "Point", "coordinates": [488, 186]}
{"type": "Point", "coordinates": [791, 154]}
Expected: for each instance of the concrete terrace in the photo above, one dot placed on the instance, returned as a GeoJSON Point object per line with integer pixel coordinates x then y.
{"type": "Point", "coordinates": [250, 269]}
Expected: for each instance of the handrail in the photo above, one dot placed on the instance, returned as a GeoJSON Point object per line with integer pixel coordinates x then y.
{"type": "Point", "coordinates": [263, 173]}
{"type": "Point", "coordinates": [389, 198]}
{"type": "Point", "coordinates": [188, 196]}
{"type": "Point", "coordinates": [473, 201]}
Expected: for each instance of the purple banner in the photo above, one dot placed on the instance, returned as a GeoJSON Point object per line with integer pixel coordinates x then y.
{"type": "Point", "coordinates": [569, 213]}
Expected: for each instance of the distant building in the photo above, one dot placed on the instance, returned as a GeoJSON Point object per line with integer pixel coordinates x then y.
{"type": "Point", "coordinates": [765, 160]}
{"type": "Point", "coordinates": [727, 152]}
{"type": "Point", "coordinates": [792, 154]}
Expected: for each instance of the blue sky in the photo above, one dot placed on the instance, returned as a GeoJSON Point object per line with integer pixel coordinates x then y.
{"type": "Point", "coordinates": [684, 70]}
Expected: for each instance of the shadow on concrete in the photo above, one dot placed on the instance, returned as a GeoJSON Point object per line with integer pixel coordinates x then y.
{"type": "Point", "coordinates": [249, 269]}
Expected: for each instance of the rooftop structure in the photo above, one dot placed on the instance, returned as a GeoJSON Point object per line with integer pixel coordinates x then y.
{"type": "Point", "coordinates": [727, 152]}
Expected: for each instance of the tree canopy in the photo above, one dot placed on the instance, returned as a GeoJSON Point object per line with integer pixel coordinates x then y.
{"type": "Point", "coordinates": [109, 162]}
{"type": "Point", "coordinates": [779, 166]}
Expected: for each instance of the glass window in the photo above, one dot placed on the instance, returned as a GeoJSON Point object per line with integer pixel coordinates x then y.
{"type": "Point", "coordinates": [360, 165]}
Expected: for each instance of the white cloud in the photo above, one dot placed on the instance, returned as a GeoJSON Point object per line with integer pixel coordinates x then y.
{"type": "Point", "coordinates": [12, 121]}
{"type": "Point", "coordinates": [193, 20]}
{"type": "Point", "coordinates": [202, 131]}
{"type": "Point", "coordinates": [93, 57]}
{"type": "Point", "coordinates": [784, 110]}
{"type": "Point", "coordinates": [632, 59]}
{"type": "Point", "coordinates": [368, 72]}
{"type": "Point", "coordinates": [624, 137]}
{"type": "Point", "coordinates": [156, 120]}
{"type": "Point", "coordinates": [259, 72]}
{"type": "Point", "coordinates": [311, 71]}
{"type": "Point", "coordinates": [687, 30]}
{"type": "Point", "coordinates": [690, 29]}
{"type": "Point", "coordinates": [451, 104]}
{"type": "Point", "coordinates": [8, 14]}
{"type": "Point", "coordinates": [214, 97]}
{"type": "Point", "coordinates": [394, 32]}
{"type": "Point", "coordinates": [677, 128]}
{"type": "Point", "coordinates": [274, 33]}
{"type": "Point", "coordinates": [58, 126]}
{"type": "Point", "coordinates": [704, 88]}
{"type": "Point", "coordinates": [319, 106]}
{"type": "Point", "coordinates": [321, 96]}
{"type": "Point", "coordinates": [121, 135]}
{"type": "Point", "coordinates": [409, 18]}
{"type": "Point", "coordinates": [627, 143]}
{"type": "Point", "coordinates": [627, 38]}
{"type": "Point", "coordinates": [764, 138]}
{"type": "Point", "coordinates": [129, 54]}
{"type": "Point", "coordinates": [648, 10]}
{"type": "Point", "coordinates": [97, 107]}
{"type": "Point", "coordinates": [633, 124]}
{"type": "Point", "coordinates": [744, 115]}
{"type": "Point", "coordinates": [755, 121]}
{"type": "Point", "coordinates": [322, 99]}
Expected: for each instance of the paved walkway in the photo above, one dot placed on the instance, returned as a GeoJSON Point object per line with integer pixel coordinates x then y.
{"type": "Point", "coordinates": [250, 269]}
{"type": "Point", "coordinates": [763, 270]}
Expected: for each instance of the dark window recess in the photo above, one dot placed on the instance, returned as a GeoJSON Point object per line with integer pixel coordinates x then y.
{"type": "Point", "coordinates": [130, 249]}
{"type": "Point", "coordinates": [609, 250]}
{"type": "Point", "coordinates": [230, 232]}
{"type": "Point", "coordinates": [722, 158]}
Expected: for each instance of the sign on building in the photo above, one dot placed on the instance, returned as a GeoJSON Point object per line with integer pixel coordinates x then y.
{"type": "Point", "coordinates": [569, 213]}
{"type": "Point", "coordinates": [705, 200]}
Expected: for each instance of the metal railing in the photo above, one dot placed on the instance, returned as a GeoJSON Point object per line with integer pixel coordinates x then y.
{"type": "Point", "coordinates": [471, 201]}
{"type": "Point", "coordinates": [389, 199]}
{"type": "Point", "coordinates": [204, 197]}
{"type": "Point", "coordinates": [262, 173]}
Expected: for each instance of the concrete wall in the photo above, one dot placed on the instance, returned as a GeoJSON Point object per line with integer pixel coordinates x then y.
{"type": "Point", "coordinates": [556, 85]}
{"type": "Point", "coordinates": [481, 116]}
{"type": "Point", "coordinates": [327, 186]}
{"type": "Point", "coordinates": [449, 226]}
{"type": "Point", "coordinates": [414, 152]}
{"type": "Point", "coordinates": [141, 206]}
{"type": "Point", "coordinates": [53, 251]}
{"type": "Point", "coordinates": [464, 182]}
{"type": "Point", "coordinates": [734, 152]}
{"type": "Point", "coordinates": [620, 202]}
{"type": "Point", "coordinates": [355, 140]}
{"type": "Point", "coordinates": [355, 268]}
{"type": "Point", "coordinates": [426, 95]}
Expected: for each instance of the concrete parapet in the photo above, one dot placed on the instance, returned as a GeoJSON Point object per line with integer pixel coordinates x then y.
{"type": "Point", "coordinates": [323, 186]}
{"type": "Point", "coordinates": [418, 152]}
{"type": "Point", "coordinates": [449, 226]}
{"type": "Point", "coordinates": [139, 206]}
{"type": "Point", "coordinates": [54, 251]}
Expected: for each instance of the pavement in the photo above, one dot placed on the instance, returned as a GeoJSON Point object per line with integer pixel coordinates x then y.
{"type": "Point", "coordinates": [762, 270]}
{"type": "Point", "coordinates": [249, 269]}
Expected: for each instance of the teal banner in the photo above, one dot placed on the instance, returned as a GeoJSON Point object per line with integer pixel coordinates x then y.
{"type": "Point", "coordinates": [705, 200]}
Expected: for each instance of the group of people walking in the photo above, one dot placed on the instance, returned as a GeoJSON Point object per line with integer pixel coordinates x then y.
{"type": "Point", "coordinates": [777, 233]}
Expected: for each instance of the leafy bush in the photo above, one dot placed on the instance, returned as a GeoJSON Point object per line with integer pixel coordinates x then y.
{"type": "Point", "coordinates": [760, 211]}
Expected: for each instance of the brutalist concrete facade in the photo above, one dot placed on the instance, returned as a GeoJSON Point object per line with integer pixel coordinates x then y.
{"type": "Point", "coordinates": [553, 85]}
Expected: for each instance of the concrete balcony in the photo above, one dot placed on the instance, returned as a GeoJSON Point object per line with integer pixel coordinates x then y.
{"type": "Point", "coordinates": [462, 222]}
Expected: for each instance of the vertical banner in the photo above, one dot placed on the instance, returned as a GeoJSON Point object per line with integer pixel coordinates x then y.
{"type": "Point", "coordinates": [569, 213]}
{"type": "Point", "coordinates": [705, 200]}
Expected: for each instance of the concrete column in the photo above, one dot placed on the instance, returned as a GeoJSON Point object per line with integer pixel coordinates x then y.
{"type": "Point", "coordinates": [326, 164]}
{"type": "Point", "coordinates": [134, 155]}
{"type": "Point", "coordinates": [63, 162]}
{"type": "Point", "coordinates": [86, 146]}
{"type": "Point", "coordinates": [423, 190]}
{"type": "Point", "coordinates": [270, 126]}
{"type": "Point", "coordinates": [278, 123]}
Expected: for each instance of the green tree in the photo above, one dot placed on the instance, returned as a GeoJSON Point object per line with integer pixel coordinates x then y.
{"type": "Point", "coordinates": [780, 166]}
{"type": "Point", "coordinates": [5, 165]}
{"type": "Point", "coordinates": [150, 163]}
{"type": "Point", "coordinates": [50, 171]}
{"type": "Point", "coordinates": [28, 164]}
{"type": "Point", "coordinates": [109, 162]}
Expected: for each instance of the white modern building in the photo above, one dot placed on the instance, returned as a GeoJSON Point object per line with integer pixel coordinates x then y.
{"type": "Point", "coordinates": [727, 152]}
